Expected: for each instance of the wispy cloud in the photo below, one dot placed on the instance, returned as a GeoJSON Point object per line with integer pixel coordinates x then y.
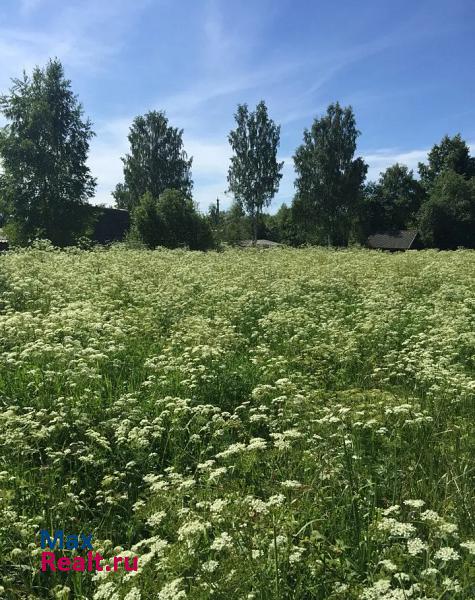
{"type": "Point", "coordinates": [106, 150]}
{"type": "Point", "coordinates": [380, 160]}
{"type": "Point", "coordinates": [82, 34]}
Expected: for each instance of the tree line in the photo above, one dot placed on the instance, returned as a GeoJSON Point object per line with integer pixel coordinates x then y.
{"type": "Point", "coordinates": [45, 182]}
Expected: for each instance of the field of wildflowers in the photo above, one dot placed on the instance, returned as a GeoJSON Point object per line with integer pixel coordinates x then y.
{"type": "Point", "coordinates": [251, 424]}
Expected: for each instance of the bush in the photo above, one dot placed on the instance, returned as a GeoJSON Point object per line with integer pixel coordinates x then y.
{"type": "Point", "coordinates": [171, 221]}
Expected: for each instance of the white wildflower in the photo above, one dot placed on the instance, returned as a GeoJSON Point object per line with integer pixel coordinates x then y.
{"type": "Point", "coordinates": [388, 565]}
{"type": "Point", "coordinates": [447, 528]}
{"type": "Point", "coordinates": [276, 500]}
{"type": "Point", "coordinates": [218, 505]}
{"type": "Point", "coordinates": [447, 553]}
{"type": "Point", "coordinates": [451, 585]}
{"type": "Point", "coordinates": [192, 529]}
{"type": "Point", "coordinates": [469, 545]}
{"type": "Point", "coordinates": [172, 591]}
{"type": "Point", "coordinates": [224, 540]}
{"type": "Point", "coordinates": [416, 546]}
{"type": "Point", "coordinates": [396, 528]}
{"type": "Point", "coordinates": [216, 473]}
{"type": "Point", "coordinates": [256, 444]}
{"type": "Point", "coordinates": [291, 484]}
{"type": "Point", "coordinates": [155, 519]}
{"type": "Point", "coordinates": [429, 572]}
{"type": "Point", "coordinates": [133, 594]}
{"type": "Point", "coordinates": [430, 515]}
{"type": "Point", "coordinates": [231, 450]}
{"type": "Point", "coordinates": [414, 503]}
{"type": "Point", "coordinates": [296, 555]}
{"type": "Point", "coordinates": [391, 510]}
{"type": "Point", "coordinates": [210, 566]}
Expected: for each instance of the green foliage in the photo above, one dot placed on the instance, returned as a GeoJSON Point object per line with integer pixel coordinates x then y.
{"type": "Point", "coordinates": [254, 173]}
{"type": "Point", "coordinates": [451, 154]}
{"type": "Point", "coordinates": [236, 226]}
{"type": "Point", "coordinates": [146, 221]}
{"type": "Point", "coordinates": [43, 148]}
{"type": "Point", "coordinates": [156, 162]}
{"type": "Point", "coordinates": [391, 203]}
{"type": "Point", "coordinates": [447, 218]}
{"type": "Point", "coordinates": [329, 180]}
{"type": "Point", "coordinates": [171, 221]}
{"type": "Point", "coordinates": [282, 228]}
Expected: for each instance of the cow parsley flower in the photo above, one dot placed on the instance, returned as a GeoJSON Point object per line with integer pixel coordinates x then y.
{"type": "Point", "coordinates": [396, 528]}
{"type": "Point", "coordinates": [172, 591]}
{"type": "Point", "coordinates": [291, 484]}
{"type": "Point", "coordinates": [447, 553]}
{"type": "Point", "coordinates": [155, 519]}
{"type": "Point", "coordinates": [414, 503]}
{"type": "Point", "coordinates": [133, 594]}
{"type": "Point", "coordinates": [210, 566]}
{"type": "Point", "coordinates": [452, 585]}
{"type": "Point", "coordinates": [416, 546]}
{"type": "Point", "coordinates": [431, 516]}
{"type": "Point", "coordinates": [469, 545]}
{"type": "Point", "coordinates": [388, 565]}
{"type": "Point", "coordinates": [429, 572]}
{"type": "Point", "coordinates": [391, 510]}
{"type": "Point", "coordinates": [224, 540]}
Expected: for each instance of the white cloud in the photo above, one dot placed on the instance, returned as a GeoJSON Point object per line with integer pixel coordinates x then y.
{"type": "Point", "coordinates": [104, 161]}
{"type": "Point", "coordinates": [210, 158]}
{"type": "Point", "coordinates": [81, 34]}
{"type": "Point", "coordinates": [380, 160]}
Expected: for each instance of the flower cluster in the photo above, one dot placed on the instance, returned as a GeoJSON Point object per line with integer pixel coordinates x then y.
{"type": "Point", "coordinates": [282, 424]}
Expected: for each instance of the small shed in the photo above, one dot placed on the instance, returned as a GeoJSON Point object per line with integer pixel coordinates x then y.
{"type": "Point", "coordinates": [402, 239]}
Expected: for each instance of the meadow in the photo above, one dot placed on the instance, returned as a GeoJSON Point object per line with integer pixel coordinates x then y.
{"type": "Point", "coordinates": [251, 424]}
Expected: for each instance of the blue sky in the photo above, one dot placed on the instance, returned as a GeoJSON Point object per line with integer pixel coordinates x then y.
{"type": "Point", "coordinates": [406, 67]}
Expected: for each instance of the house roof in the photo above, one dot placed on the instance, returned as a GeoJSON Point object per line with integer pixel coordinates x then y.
{"type": "Point", "coordinates": [402, 239]}
{"type": "Point", "coordinates": [259, 244]}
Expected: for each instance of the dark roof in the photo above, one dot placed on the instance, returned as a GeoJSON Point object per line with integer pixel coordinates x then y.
{"type": "Point", "coordinates": [402, 239]}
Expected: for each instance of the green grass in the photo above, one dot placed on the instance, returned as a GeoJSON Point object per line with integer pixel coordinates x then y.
{"type": "Point", "coordinates": [250, 424]}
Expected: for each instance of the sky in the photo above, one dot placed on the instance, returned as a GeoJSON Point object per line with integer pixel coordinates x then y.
{"type": "Point", "coordinates": [407, 68]}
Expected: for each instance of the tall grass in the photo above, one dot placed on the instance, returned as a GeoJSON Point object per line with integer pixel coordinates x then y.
{"type": "Point", "coordinates": [250, 424]}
